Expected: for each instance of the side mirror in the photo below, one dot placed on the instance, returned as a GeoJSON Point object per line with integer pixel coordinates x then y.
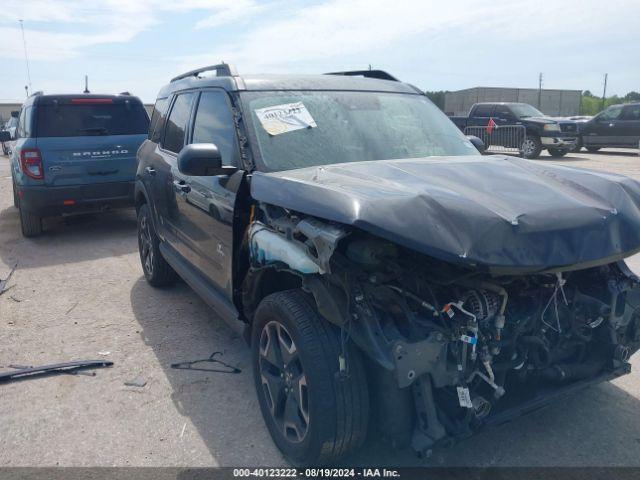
{"type": "Point", "coordinates": [202, 160]}
{"type": "Point", "coordinates": [5, 136]}
{"type": "Point", "coordinates": [479, 144]}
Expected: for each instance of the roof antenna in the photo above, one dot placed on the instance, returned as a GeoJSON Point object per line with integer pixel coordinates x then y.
{"type": "Point", "coordinates": [26, 56]}
{"type": "Point", "coordinates": [86, 84]}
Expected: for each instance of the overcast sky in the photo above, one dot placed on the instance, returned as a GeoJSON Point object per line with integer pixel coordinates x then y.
{"type": "Point", "coordinates": [138, 45]}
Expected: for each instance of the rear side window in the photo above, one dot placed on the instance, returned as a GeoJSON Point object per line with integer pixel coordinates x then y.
{"type": "Point", "coordinates": [158, 118]}
{"type": "Point", "coordinates": [91, 119]}
{"type": "Point", "coordinates": [28, 125]}
{"type": "Point", "coordinates": [214, 124]}
{"type": "Point", "coordinates": [20, 130]}
{"type": "Point", "coordinates": [631, 112]}
{"type": "Point", "coordinates": [177, 123]}
{"type": "Point", "coordinates": [483, 111]}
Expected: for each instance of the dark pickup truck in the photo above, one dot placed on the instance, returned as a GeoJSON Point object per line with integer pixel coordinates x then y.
{"type": "Point", "coordinates": [556, 136]}
{"type": "Point", "coordinates": [618, 126]}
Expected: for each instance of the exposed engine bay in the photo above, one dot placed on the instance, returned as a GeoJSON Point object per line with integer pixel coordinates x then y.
{"type": "Point", "coordinates": [452, 347]}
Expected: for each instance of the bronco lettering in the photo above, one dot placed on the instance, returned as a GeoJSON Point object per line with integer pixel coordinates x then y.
{"type": "Point", "coordinates": [102, 152]}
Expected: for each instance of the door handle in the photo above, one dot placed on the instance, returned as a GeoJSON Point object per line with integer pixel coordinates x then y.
{"type": "Point", "coordinates": [181, 186]}
{"type": "Point", "coordinates": [150, 170]}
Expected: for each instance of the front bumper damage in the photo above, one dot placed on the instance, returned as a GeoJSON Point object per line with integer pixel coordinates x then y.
{"type": "Point", "coordinates": [446, 368]}
{"type": "Point", "coordinates": [472, 299]}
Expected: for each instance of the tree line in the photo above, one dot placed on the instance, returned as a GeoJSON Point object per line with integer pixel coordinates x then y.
{"type": "Point", "coordinates": [592, 104]}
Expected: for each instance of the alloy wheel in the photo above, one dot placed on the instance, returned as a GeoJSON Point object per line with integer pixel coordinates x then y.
{"type": "Point", "coordinates": [528, 147]}
{"type": "Point", "coordinates": [146, 245]}
{"type": "Point", "coordinates": [284, 382]}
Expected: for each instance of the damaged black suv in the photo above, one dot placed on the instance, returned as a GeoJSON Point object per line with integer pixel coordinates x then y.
{"type": "Point", "coordinates": [388, 277]}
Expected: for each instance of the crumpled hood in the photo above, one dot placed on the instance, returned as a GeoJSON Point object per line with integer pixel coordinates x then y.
{"type": "Point", "coordinates": [501, 212]}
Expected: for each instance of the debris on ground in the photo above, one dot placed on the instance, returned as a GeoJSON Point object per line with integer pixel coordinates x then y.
{"type": "Point", "coordinates": [191, 365]}
{"type": "Point", "coordinates": [3, 283]}
{"type": "Point", "coordinates": [22, 372]}
{"type": "Point", "coordinates": [67, 372]}
{"type": "Point", "coordinates": [136, 382]}
{"type": "Point", "coordinates": [72, 307]}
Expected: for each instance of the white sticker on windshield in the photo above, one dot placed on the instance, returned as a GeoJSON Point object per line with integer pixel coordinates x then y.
{"type": "Point", "coordinates": [285, 118]}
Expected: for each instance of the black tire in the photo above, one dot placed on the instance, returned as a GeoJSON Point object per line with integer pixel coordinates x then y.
{"type": "Point", "coordinates": [556, 152]}
{"type": "Point", "coordinates": [593, 149]}
{"type": "Point", "coordinates": [531, 147]}
{"type": "Point", "coordinates": [30, 224]}
{"type": "Point", "coordinates": [337, 406]}
{"type": "Point", "coordinates": [156, 269]}
{"type": "Point", "coordinates": [5, 149]}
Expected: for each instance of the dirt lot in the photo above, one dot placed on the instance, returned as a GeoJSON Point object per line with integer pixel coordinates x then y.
{"type": "Point", "coordinates": [78, 293]}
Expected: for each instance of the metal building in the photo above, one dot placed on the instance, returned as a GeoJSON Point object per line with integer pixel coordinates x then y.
{"type": "Point", "coordinates": [561, 103]}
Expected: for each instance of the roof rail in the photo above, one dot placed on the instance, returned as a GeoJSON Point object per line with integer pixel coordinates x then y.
{"type": "Point", "coordinates": [379, 74]}
{"type": "Point", "coordinates": [222, 70]}
{"type": "Point", "coordinates": [35, 94]}
{"type": "Point", "coordinates": [124, 93]}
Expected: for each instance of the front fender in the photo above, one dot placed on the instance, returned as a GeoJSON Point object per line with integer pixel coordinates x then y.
{"type": "Point", "coordinates": [534, 130]}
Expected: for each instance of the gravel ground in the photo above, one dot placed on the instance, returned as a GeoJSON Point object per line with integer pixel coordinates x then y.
{"type": "Point", "coordinates": [78, 293]}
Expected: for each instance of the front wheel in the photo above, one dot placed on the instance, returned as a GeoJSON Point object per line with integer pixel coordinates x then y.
{"type": "Point", "coordinates": [531, 147]}
{"type": "Point", "coordinates": [556, 152]}
{"type": "Point", "coordinates": [156, 269]}
{"type": "Point", "coordinates": [314, 412]}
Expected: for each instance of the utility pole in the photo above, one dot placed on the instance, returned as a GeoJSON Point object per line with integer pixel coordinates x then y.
{"type": "Point", "coordinates": [604, 92]}
{"type": "Point", "coordinates": [26, 56]}
{"type": "Point", "coordinates": [540, 90]}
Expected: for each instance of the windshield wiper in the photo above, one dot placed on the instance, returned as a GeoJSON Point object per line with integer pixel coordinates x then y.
{"type": "Point", "coordinates": [68, 367]}
{"type": "Point", "coordinates": [98, 130]}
